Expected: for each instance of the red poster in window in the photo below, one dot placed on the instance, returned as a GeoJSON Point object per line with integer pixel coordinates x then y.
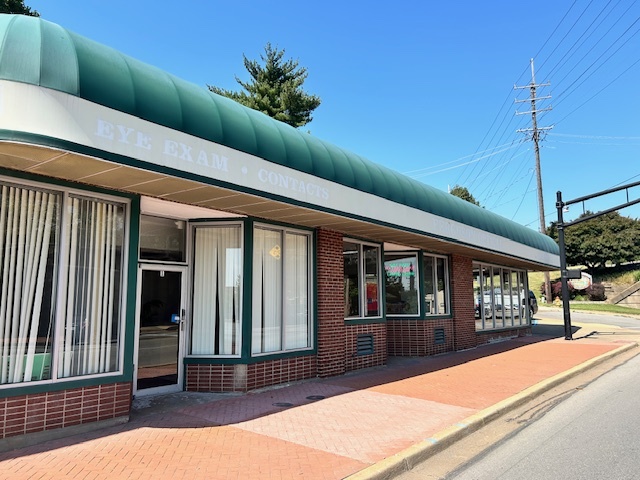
{"type": "Point", "coordinates": [372, 299]}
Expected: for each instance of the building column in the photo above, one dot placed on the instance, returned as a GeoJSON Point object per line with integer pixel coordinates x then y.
{"type": "Point", "coordinates": [464, 324]}
{"type": "Point", "coordinates": [331, 327]}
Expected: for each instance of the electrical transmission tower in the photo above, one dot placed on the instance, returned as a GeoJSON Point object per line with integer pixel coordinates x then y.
{"type": "Point", "coordinates": [535, 133]}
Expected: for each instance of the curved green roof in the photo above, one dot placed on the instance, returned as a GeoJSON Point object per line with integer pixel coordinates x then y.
{"type": "Point", "coordinates": [38, 52]}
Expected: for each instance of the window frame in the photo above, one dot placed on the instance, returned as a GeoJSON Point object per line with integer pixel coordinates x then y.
{"type": "Point", "coordinates": [311, 318]}
{"type": "Point", "coordinates": [418, 282]}
{"type": "Point", "coordinates": [522, 319]}
{"type": "Point", "coordinates": [434, 281]}
{"type": "Point", "coordinates": [193, 226]}
{"type": "Point", "coordinates": [362, 283]}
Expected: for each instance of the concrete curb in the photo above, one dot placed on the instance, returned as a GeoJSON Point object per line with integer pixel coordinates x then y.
{"type": "Point", "coordinates": [404, 461]}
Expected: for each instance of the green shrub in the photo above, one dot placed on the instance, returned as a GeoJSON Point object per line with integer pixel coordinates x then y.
{"type": "Point", "coordinates": [595, 292]}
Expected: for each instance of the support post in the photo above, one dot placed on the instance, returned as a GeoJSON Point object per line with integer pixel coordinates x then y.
{"type": "Point", "coordinates": [568, 334]}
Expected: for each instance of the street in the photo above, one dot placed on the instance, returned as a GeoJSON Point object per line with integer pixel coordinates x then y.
{"type": "Point", "coordinates": [593, 434]}
{"type": "Point", "coordinates": [586, 317]}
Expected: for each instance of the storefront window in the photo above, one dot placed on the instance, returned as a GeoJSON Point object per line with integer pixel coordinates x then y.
{"type": "Point", "coordinates": [281, 290]}
{"type": "Point", "coordinates": [87, 283]}
{"type": "Point", "coordinates": [217, 287]}
{"type": "Point", "coordinates": [436, 285]}
{"type": "Point", "coordinates": [401, 277]}
{"type": "Point", "coordinates": [361, 279]}
{"type": "Point", "coordinates": [502, 301]}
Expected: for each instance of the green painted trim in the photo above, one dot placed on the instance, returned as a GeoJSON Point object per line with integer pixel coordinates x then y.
{"type": "Point", "coordinates": [247, 290]}
{"type": "Point", "coordinates": [423, 302]}
{"type": "Point", "coordinates": [61, 384]}
{"type": "Point", "coordinates": [314, 292]}
{"type": "Point", "coordinates": [421, 319]}
{"type": "Point", "coordinates": [127, 161]}
{"type": "Point", "coordinates": [364, 321]}
{"type": "Point", "coordinates": [132, 288]}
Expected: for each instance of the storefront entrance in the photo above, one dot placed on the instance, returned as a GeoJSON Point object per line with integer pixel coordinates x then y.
{"type": "Point", "coordinates": [161, 315]}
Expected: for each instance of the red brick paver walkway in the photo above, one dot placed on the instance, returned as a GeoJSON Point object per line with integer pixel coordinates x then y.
{"type": "Point", "coordinates": [363, 418]}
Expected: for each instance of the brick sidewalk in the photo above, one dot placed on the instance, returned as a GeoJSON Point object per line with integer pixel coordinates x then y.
{"type": "Point", "coordinates": [320, 429]}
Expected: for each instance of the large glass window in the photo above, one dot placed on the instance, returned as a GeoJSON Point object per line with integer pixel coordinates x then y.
{"type": "Point", "coordinates": [95, 236]}
{"type": "Point", "coordinates": [281, 298]}
{"type": "Point", "coordinates": [436, 285]}
{"type": "Point", "coordinates": [501, 297]}
{"type": "Point", "coordinates": [217, 286]}
{"type": "Point", "coordinates": [84, 329]}
{"type": "Point", "coordinates": [361, 279]}
{"type": "Point", "coordinates": [401, 277]}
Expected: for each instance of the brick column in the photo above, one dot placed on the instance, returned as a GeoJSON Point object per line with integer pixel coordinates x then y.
{"type": "Point", "coordinates": [464, 325]}
{"type": "Point", "coordinates": [331, 328]}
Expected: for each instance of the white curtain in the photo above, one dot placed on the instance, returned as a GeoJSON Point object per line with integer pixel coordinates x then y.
{"type": "Point", "coordinates": [267, 291]}
{"type": "Point", "coordinates": [296, 286]}
{"type": "Point", "coordinates": [27, 219]}
{"type": "Point", "coordinates": [91, 314]}
{"type": "Point", "coordinates": [217, 284]}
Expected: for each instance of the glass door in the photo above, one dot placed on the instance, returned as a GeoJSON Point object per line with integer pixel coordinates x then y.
{"type": "Point", "coordinates": [160, 328]}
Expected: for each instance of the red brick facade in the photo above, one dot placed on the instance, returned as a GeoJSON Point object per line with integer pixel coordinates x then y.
{"type": "Point", "coordinates": [354, 361]}
{"type": "Point", "coordinates": [331, 327]}
{"type": "Point", "coordinates": [47, 411]}
{"type": "Point", "coordinates": [242, 378]}
{"type": "Point", "coordinates": [462, 303]}
{"type": "Point", "coordinates": [416, 338]}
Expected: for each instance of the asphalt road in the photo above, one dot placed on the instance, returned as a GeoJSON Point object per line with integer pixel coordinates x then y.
{"type": "Point", "coordinates": [586, 317]}
{"type": "Point", "coordinates": [592, 434]}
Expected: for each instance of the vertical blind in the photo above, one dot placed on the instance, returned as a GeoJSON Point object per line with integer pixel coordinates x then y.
{"type": "Point", "coordinates": [95, 237]}
{"type": "Point", "coordinates": [217, 282]}
{"type": "Point", "coordinates": [280, 300]}
{"type": "Point", "coordinates": [27, 235]}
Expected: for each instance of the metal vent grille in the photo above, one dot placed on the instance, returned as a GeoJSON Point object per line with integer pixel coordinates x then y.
{"type": "Point", "coordinates": [438, 336]}
{"type": "Point", "coordinates": [365, 345]}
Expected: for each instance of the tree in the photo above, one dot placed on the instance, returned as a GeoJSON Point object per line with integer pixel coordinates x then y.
{"type": "Point", "coordinates": [275, 88]}
{"type": "Point", "coordinates": [16, 6]}
{"type": "Point", "coordinates": [464, 194]}
{"type": "Point", "coordinates": [610, 239]}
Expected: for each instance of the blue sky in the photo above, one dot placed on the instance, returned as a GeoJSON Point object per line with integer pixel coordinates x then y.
{"type": "Point", "coordinates": [423, 87]}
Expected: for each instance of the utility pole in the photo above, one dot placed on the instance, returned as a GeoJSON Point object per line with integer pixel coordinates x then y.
{"type": "Point", "coordinates": [535, 132]}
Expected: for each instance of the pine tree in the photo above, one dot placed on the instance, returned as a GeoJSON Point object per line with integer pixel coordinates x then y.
{"type": "Point", "coordinates": [464, 194]}
{"type": "Point", "coordinates": [17, 6]}
{"type": "Point", "coordinates": [275, 88]}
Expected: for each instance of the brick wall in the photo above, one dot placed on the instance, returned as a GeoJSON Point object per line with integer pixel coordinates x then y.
{"type": "Point", "coordinates": [242, 378]}
{"type": "Point", "coordinates": [416, 338]}
{"type": "Point", "coordinates": [379, 355]}
{"type": "Point", "coordinates": [46, 411]}
{"type": "Point", "coordinates": [331, 327]}
{"type": "Point", "coordinates": [464, 323]}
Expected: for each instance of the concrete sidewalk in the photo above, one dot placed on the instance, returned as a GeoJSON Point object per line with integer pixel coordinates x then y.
{"type": "Point", "coordinates": [367, 424]}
